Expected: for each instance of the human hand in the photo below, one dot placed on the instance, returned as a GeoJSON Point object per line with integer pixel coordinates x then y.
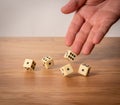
{"type": "Point", "coordinates": [90, 23]}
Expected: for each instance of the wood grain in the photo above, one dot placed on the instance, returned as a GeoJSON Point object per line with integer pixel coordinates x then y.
{"type": "Point", "coordinates": [49, 87]}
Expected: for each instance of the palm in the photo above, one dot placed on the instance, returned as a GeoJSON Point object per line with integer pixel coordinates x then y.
{"type": "Point", "coordinates": [95, 15]}
{"type": "Point", "coordinates": [89, 25]}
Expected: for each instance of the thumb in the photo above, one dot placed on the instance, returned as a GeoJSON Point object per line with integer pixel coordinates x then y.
{"type": "Point", "coordinates": [72, 5]}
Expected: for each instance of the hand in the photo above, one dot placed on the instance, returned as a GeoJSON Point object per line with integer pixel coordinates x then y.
{"type": "Point", "coordinates": [90, 23]}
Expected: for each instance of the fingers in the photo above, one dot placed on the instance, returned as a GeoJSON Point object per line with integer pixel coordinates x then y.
{"type": "Point", "coordinates": [81, 37]}
{"type": "Point", "coordinates": [88, 36]}
{"type": "Point", "coordinates": [96, 34]}
{"type": "Point", "coordinates": [101, 31]}
{"type": "Point", "coordinates": [74, 27]}
{"type": "Point", "coordinates": [89, 45]}
{"type": "Point", "coordinates": [72, 5]}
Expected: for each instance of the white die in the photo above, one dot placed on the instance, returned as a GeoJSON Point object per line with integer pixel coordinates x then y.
{"type": "Point", "coordinates": [66, 70]}
{"type": "Point", "coordinates": [29, 64]}
{"type": "Point", "coordinates": [48, 62]}
{"type": "Point", "coordinates": [84, 69]}
{"type": "Point", "coordinates": [70, 55]}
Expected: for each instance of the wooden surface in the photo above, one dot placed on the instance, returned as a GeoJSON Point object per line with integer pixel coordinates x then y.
{"type": "Point", "coordinates": [49, 87]}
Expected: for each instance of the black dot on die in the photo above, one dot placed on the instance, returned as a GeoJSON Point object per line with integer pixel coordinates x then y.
{"type": "Point", "coordinates": [48, 57]}
{"type": "Point", "coordinates": [43, 58]}
{"type": "Point", "coordinates": [68, 69]}
{"type": "Point", "coordinates": [82, 69]}
{"type": "Point", "coordinates": [49, 63]}
{"type": "Point", "coordinates": [27, 62]}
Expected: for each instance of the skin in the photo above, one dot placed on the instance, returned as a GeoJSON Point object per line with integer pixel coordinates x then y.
{"type": "Point", "coordinates": [90, 23]}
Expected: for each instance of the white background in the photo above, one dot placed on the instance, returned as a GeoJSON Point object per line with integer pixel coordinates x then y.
{"type": "Point", "coordinates": [37, 18]}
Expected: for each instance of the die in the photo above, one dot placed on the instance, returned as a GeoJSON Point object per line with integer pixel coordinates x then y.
{"type": "Point", "coordinates": [29, 64]}
{"type": "Point", "coordinates": [66, 70]}
{"type": "Point", "coordinates": [70, 55]}
{"type": "Point", "coordinates": [48, 62]}
{"type": "Point", "coordinates": [84, 69]}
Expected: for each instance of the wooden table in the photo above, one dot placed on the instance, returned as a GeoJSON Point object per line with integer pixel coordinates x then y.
{"type": "Point", "coordinates": [49, 87]}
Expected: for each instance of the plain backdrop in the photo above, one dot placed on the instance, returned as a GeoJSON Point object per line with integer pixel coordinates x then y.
{"type": "Point", "coordinates": [37, 18]}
